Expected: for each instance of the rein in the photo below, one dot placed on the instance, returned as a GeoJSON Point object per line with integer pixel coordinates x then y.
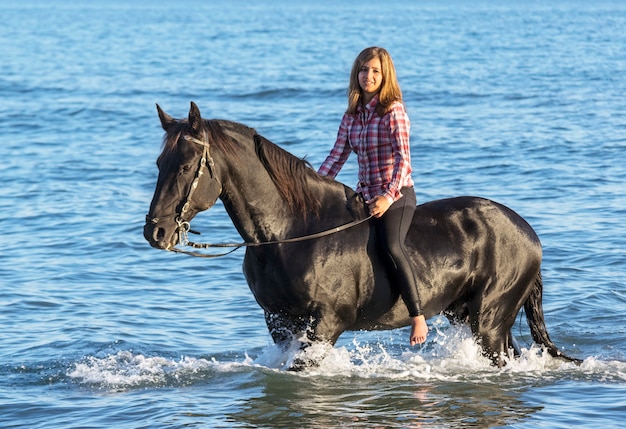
{"type": "Point", "coordinates": [183, 229]}
{"type": "Point", "coordinates": [206, 161]}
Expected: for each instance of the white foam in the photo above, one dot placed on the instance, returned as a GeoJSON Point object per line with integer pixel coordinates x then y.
{"type": "Point", "coordinates": [126, 369]}
{"type": "Point", "coordinates": [452, 355]}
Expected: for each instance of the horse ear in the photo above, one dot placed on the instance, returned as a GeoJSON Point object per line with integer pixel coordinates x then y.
{"type": "Point", "coordinates": [194, 117]}
{"type": "Point", "coordinates": [166, 120]}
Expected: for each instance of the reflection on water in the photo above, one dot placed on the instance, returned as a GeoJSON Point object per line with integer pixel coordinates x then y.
{"type": "Point", "coordinates": [359, 402]}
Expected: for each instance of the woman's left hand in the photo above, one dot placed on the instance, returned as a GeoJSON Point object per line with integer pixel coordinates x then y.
{"type": "Point", "coordinates": [378, 206]}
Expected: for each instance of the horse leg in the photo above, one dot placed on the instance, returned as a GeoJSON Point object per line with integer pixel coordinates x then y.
{"type": "Point", "coordinates": [494, 342]}
{"type": "Point", "coordinates": [285, 332]}
{"type": "Point", "coordinates": [512, 342]}
{"type": "Point", "coordinates": [281, 329]}
{"type": "Point", "coordinates": [495, 346]}
{"type": "Point", "coordinates": [457, 313]}
{"type": "Point", "coordinates": [492, 328]}
{"type": "Point", "coordinates": [285, 329]}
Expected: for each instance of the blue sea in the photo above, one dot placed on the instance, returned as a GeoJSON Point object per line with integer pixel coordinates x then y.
{"type": "Point", "coordinates": [522, 102]}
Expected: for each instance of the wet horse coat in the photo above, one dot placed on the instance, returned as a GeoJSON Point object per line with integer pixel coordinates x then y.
{"type": "Point", "coordinates": [476, 260]}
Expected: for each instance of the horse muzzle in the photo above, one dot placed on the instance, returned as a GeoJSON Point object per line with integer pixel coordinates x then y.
{"type": "Point", "coordinates": [161, 234]}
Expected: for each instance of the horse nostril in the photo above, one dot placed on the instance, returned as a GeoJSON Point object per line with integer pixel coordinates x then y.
{"type": "Point", "coordinates": [158, 234]}
{"type": "Point", "coordinates": [159, 237]}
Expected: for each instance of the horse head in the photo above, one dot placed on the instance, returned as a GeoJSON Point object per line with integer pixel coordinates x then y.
{"type": "Point", "coordinates": [188, 181]}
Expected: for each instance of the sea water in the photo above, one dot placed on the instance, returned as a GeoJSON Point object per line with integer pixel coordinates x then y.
{"type": "Point", "coordinates": [520, 102]}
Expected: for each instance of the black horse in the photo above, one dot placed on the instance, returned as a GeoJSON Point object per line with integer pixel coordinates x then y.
{"type": "Point", "coordinates": [477, 261]}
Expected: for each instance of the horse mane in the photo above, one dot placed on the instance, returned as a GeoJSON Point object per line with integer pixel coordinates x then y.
{"type": "Point", "coordinates": [288, 172]}
{"type": "Point", "coordinates": [290, 175]}
{"type": "Point", "coordinates": [212, 128]}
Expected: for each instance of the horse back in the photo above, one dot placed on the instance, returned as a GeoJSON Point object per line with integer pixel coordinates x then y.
{"type": "Point", "coordinates": [462, 247]}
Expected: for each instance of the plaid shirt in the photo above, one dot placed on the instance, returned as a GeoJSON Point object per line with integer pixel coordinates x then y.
{"type": "Point", "coordinates": [382, 148]}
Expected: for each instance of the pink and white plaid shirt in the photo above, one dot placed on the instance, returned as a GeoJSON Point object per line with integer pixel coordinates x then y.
{"type": "Point", "coordinates": [382, 148]}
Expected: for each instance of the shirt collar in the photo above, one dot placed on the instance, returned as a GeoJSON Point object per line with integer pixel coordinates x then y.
{"type": "Point", "coordinates": [371, 105]}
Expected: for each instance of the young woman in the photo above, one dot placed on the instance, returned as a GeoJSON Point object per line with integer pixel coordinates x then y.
{"type": "Point", "coordinates": [376, 127]}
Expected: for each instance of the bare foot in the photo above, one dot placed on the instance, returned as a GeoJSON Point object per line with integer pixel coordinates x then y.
{"type": "Point", "coordinates": [419, 330]}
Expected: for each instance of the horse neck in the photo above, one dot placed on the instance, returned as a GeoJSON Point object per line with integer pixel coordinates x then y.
{"type": "Point", "coordinates": [252, 201]}
{"type": "Point", "coordinates": [257, 213]}
{"type": "Point", "coordinates": [260, 214]}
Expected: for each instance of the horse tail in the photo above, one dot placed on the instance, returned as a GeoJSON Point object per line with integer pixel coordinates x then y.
{"type": "Point", "coordinates": [536, 321]}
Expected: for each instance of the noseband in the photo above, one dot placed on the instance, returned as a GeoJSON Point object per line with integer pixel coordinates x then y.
{"type": "Point", "coordinates": [206, 162]}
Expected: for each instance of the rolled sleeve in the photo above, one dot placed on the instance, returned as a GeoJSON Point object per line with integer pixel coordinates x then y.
{"type": "Point", "coordinates": [400, 126]}
{"type": "Point", "coordinates": [340, 152]}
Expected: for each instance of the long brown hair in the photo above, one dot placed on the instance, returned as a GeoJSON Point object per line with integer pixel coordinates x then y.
{"type": "Point", "coordinates": [389, 89]}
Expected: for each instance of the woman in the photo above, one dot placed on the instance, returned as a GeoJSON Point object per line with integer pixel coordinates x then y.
{"type": "Point", "coordinates": [376, 127]}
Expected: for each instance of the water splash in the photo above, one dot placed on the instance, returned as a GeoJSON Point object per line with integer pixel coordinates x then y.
{"type": "Point", "coordinates": [452, 356]}
{"type": "Point", "coordinates": [128, 370]}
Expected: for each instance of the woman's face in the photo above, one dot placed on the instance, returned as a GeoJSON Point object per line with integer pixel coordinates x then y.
{"type": "Point", "coordinates": [370, 78]}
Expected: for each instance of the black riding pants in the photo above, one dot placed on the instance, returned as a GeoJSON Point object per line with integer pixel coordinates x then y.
{"type": "Point", "coordinates": [391, 229]}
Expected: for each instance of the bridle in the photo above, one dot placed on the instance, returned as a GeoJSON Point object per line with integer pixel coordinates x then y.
{"type": "Point", "coordinates": [206, 162]}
